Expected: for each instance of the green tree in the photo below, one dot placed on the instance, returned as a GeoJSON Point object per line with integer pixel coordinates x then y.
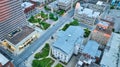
{"type": "Point", "coordinates": [112, 7]}
{"type": "Point", "coordinates": [36, 63]}
{"type": "Point", "coordinates": [32, 19]}
{"type": "Point", "coordinates": [87, 32]}
{"type": "Point", "coordinates": [51, 16]}
{"type": "Point", "coordinates": [74, 23]}
{"type": "Point", "coordinates": [37, 56]}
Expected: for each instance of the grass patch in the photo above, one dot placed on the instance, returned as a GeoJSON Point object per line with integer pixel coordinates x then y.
{"type": "Point", "coordinates": [60, 12]}
{"type": "Point", "coordinates": [34, 20]}
{"type": "Point", "coordinates": [46, 62]}
{"type": "Point", "coordinates": [59, 65]}
{"type": "Point", "coordinates": [52, 17]}
{"type": "Point", "coordinates": [46, 8]}
{"type": "Point", "coordinates": [44, 25]}
{"type": "Point", "coordinates": [65, 27]}
{"type": "Point", "coordinates": [43, 15]}
{"type": "Point", "coordinates": [44, 52]}
{"type": "Point", "coordinates": [74, 23]}
{"type": "Point", "coordinates": [40, 18]}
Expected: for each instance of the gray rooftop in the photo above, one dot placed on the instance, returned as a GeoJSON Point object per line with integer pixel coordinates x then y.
{"type": "Point", "coordinates": [110, 57]}
{"type": "Point", "coordinates": [19, 36]}
{"type": "Point", "coordinates": [67, 39]}
{"type": "Point", "coordinates": [91, 48]}
{"type": "Point", "coordinates": [64, 2]}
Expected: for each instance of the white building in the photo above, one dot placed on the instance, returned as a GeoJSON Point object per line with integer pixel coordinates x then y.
{"type": "Point", "coordinates": [111, 54]}
{"type": "Point", "coordinates": [85, 15]}
{"type": "Point", "coordinates": [67, 43]}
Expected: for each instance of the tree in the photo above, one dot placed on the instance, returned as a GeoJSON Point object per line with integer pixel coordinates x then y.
{"type": "Point", "coordinates": [31, 19]}
{"type": "Point", "coordinates": [112, 7]}
{"type": "Point", "coordinates": [51, 16]}
{"type": "Point", "coordinates": [37, 56]}
{"type": "Point", "coordinates": [74, 23]}
{"type": "Point", "coordinates": [36, 63]}
{"type": "Point", "coordinates": [42, 13]}
{"type": "Point", "coordinates": [46, 8]}
{"type": "Point", "coordinates": [87, 32]}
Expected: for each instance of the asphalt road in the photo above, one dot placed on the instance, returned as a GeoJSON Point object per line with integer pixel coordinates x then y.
{"type": "Point", "coordinates": [19, 60]}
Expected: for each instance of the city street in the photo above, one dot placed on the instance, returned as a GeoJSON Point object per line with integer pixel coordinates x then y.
{"type": "Point", "coordinates": [19, 60]}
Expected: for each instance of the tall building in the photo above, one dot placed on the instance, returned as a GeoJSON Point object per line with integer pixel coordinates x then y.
{"type": "Point", "coordinates": [15, 33]}
{"type": "Point", "coordinates": [11, 17]}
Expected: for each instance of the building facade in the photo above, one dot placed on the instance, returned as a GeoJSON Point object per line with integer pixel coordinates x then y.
{"type": "Point", "coordinates": [64, 4]}
{"type": "Point", "coordinates": [85, 15]}
{"type": "Point", "coordinates": [41, 2]}
{"type": "Point", "coordinates": [29, 9]}
{"type": "Point", "coordinates": [11, 17]}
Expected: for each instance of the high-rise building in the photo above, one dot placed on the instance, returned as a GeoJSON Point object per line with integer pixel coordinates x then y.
{"type": "Point", "coordinates": [15, 33]}
{"type": "Point", "coordinates": [11, 17]}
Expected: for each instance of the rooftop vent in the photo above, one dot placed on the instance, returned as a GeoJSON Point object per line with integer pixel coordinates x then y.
{"type": "Point", "coordinates": [69, 35]}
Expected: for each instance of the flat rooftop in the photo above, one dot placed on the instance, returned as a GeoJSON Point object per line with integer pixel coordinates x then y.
{"type": "Point", "coordinates": [3, 59]}
{"type": "Point", "coordinates": [64, 1]}
{"type": "Point", "coordinates": [66, 40]}
{"type": "Point", "coordinates": [88, 12]}
{"type": "Point", "coordinates": [110, 56]}
{"type": "Point", "coordinates": [98, 7]}
{"type": "Point", "coordinates": [19, 36]}
{"type": "Point", "coordinates": [99, 3]}
{"type": "Point", "coordinates": [115, 14]}
{"type": "Point", "coordinates": [91, 48]}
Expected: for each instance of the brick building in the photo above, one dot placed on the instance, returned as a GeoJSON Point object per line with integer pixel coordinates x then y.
{"type": "Point", "coordinates": [102, 32]}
